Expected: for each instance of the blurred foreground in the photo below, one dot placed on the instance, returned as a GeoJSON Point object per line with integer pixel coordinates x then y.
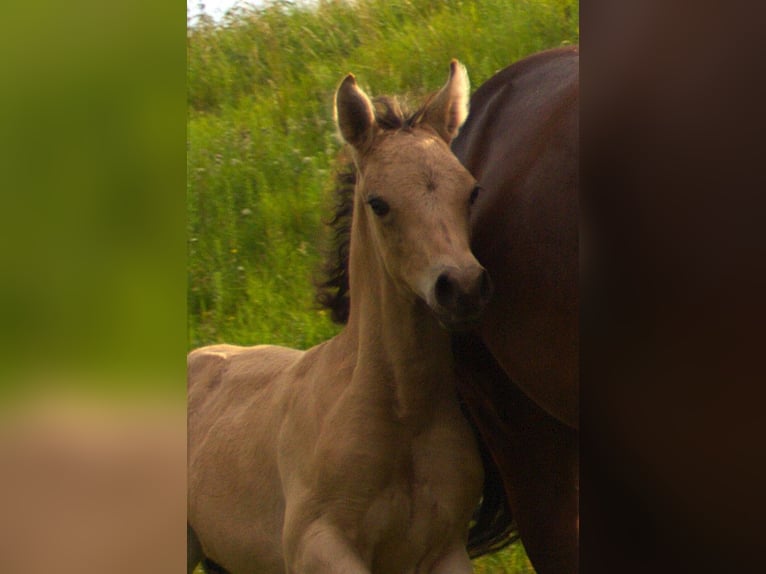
{"type": "Point", "coordinates": [92, 486]}
{"type": "Point", "coordinates": [92, 289]}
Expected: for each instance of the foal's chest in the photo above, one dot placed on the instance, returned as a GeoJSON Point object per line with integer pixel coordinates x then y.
{"type": "Point", "coordinates": [427, 504]}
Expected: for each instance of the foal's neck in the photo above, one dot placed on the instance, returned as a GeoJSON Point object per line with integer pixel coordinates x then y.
{"type": "Point", "coordinates": [400, 345]}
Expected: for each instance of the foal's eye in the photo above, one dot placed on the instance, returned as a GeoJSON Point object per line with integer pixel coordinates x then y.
{"type": "Point", "coordinates": [379, 206]}
{"type": "Point", "coordinates": [474, 194]}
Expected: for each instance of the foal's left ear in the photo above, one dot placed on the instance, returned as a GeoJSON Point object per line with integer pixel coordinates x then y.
{"type": "Point", "coordinates": [448, 109]}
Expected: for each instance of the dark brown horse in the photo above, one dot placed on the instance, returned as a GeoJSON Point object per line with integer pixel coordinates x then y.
{"type": "Point", "coordinates": [520, 370]}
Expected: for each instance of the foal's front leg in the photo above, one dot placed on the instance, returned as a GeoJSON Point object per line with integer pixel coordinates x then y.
{"type": "Point", "coordinates": [322, 549]}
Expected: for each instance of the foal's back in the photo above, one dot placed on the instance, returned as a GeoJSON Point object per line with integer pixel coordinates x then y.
{"type": "Point", "coordinates": [235, 401]}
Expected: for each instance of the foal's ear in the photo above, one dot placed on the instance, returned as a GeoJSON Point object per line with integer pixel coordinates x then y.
{"type": "Point", "coordinates": [448, 109]}
{"type": "Point", "coordinates": [354, 114]}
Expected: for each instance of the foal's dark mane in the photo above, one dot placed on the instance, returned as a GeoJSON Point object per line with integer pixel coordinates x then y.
{"type": "Point", "coordinates": [494, 526]}
{"type": "Point", "coordinates": [332, 290]}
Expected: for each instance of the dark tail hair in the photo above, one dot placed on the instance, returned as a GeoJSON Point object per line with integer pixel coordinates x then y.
{"type": "Point", "coordinates": [494, 526]}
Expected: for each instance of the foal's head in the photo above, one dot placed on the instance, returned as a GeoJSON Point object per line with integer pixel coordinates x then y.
{"type": "Point", "coordinates": [413, 198]}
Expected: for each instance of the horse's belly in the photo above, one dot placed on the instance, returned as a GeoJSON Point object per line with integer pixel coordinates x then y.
{"type": "Point", "coordinates": [241, 547]}
{"type": "Point", "coordinates": [238, 522]}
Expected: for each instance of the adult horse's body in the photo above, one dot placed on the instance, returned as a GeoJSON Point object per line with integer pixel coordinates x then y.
{"type": "Point", "coordinates": [520, 370]}
{"type": "Point", "coordinates": [354, 456]}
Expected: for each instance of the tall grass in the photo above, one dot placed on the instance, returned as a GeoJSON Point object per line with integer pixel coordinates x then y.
{"type": "Point", "coordinates": [262, 145]}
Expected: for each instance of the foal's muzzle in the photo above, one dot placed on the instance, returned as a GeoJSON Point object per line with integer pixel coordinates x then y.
{"type": "Point", "coordinates": [460, 296]}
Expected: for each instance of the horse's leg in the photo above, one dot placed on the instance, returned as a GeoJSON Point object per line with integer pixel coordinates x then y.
{"type": "Point", "coordinates": [536, 455]}
{"type": "Point", "coordinates": [543, 480]}
{"type": "Point", "coordinates": [194, 553]}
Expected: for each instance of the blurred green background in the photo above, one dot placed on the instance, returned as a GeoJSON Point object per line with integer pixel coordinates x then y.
{"type": "Point", "coordinates": [92, 286]}
{"type": "Point", "coordinates": [92, 223]}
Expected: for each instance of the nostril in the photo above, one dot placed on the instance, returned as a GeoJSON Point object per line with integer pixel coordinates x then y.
{"type": "Point", "coordinates": [444, 290]}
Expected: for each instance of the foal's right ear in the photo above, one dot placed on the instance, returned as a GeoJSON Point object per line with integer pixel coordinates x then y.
{"type": "Point", "coordinates": [354, 114]}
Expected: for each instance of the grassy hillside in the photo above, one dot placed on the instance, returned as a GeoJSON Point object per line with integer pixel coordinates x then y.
{"type": "Point", "coordinates": [262, 145]}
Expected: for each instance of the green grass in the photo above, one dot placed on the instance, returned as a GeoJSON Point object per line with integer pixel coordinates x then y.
{"type": "Point", "coordinates": [510, 560]}
{"type": "Point", "coordinates": [262, 145]}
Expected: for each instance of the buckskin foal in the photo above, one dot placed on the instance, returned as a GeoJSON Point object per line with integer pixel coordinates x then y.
{"type": "Point", "coordinates": [354, 456]}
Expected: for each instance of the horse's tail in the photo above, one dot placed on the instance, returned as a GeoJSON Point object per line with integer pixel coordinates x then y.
{"type": "Point", "coordinates": [494, 525]}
